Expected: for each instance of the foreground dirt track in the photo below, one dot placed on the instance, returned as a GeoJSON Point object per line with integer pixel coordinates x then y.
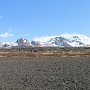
{"type": "Point", "coordinates": [51, 73]}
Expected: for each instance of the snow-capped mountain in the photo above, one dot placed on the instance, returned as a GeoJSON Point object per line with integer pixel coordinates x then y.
{"type": "Point", "coordinates": [64, 40]}
{"type": "Point", "coordinates": [7, 44]}
{"type": "Point", "coordinates": [77, 37]}
{"type": "Point", "coordinates": [23, 42]}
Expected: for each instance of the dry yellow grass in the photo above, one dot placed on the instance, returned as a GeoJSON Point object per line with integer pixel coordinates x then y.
{"type": "Point", "coordinates": [43, 54]}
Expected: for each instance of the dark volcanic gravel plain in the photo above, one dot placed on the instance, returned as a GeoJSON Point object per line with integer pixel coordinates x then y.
{"type": "Point", "coordinates": [63, 73]}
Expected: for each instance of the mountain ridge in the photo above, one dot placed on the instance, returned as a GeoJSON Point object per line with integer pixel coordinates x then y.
{"type": "Point", "coordinates": [64, 40]}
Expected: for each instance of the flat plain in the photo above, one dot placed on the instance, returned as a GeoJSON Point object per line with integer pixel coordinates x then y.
{"type": "Point", "coordinates": [45, 68]}
{"type": "Point", "coordinates": [45, 73]}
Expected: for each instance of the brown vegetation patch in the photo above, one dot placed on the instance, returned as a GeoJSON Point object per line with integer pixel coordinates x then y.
{"type": "Point", "coordinates": [45, 51]}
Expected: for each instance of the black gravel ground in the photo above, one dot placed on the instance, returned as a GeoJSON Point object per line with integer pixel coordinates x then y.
{"type": "Point", "coordinates": [45, 73]}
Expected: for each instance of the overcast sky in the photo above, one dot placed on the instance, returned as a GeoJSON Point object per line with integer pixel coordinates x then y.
{"type": "Point", "coordinates": [36, 18]}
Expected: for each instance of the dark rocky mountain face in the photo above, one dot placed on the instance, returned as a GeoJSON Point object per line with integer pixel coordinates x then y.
{"type": "Point", "coordinates": [76, 38]}
{"type": "Point", "coordinates": [6, 45]}
{"type": "Point", "coordinates": [60, 41]}
{"type": "Point", "coordinates": [23, 42]}
{"type": "Point", "coordinates": [35, 43]}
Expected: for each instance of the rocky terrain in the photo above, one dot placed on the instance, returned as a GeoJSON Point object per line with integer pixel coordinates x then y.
{"type": "Point", "coordinates": [63, 73]}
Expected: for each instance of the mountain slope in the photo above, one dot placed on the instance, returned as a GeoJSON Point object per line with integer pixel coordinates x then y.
{"type": "Point", "coordinates": [77, 37]}
{"type": "Point", "coordinates": [23, 42]}
{"type": "Point", "coordinates": [66, 40]}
